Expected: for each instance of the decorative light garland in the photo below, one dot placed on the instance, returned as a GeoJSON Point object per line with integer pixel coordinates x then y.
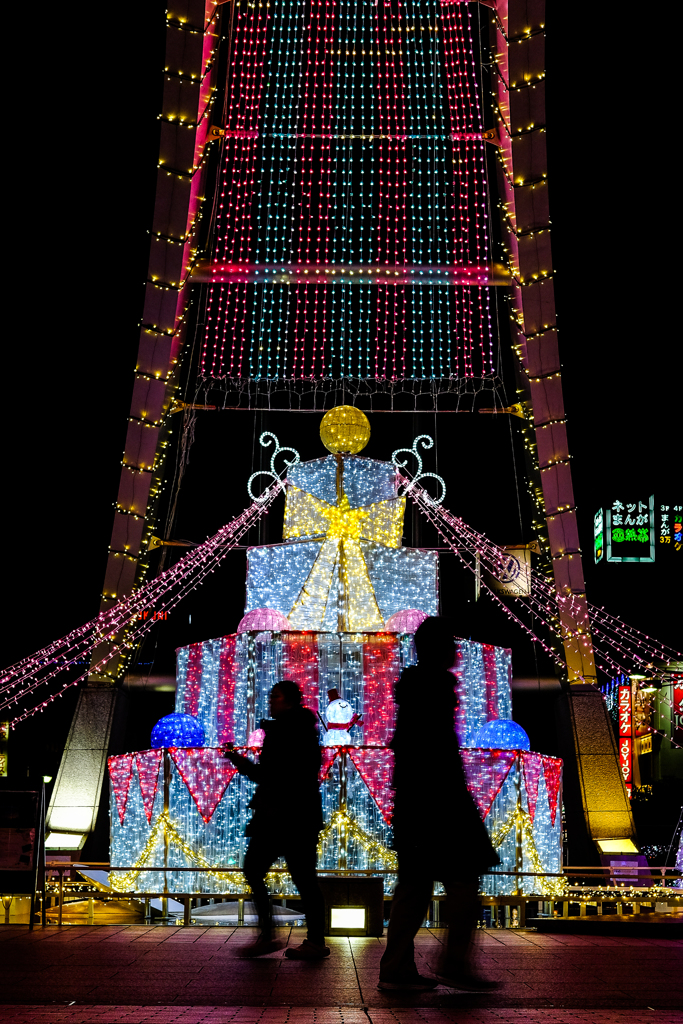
{"type": "Point", "coordinates": [461, 537]}
{"type": "Point", "coordinates": [520, 819]}
{"type": "Point", "coordinates": [162, 593]}
{"type": "Point", "coordinates": [25, 676]}
{"type": "Point", "coordinates": [343, 827]}
{"type": "Point", "coordinates": [165, 828]}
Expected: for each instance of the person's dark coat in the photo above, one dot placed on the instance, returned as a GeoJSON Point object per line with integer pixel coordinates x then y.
{"type": "Point", "coordinates": [287, 798]}
{"type": "Point", "coordinates": [436, 821]}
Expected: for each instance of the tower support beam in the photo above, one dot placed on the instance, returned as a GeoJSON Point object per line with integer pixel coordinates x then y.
{"type": "Point", "coordinates": [602, 808]}
{"type": "Point", "coordinates": [189, 92]}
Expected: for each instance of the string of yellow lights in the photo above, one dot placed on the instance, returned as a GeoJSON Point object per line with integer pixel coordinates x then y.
{"type": "Point", "coordinates": [342, 822]}
{"type": "Point", "coordinates": [165, 828]}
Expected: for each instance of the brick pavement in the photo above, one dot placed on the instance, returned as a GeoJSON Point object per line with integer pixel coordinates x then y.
{"type": "Point", "coordinates": [323, 1015]}
{"type": "Point", "coordinates": [145, 973]}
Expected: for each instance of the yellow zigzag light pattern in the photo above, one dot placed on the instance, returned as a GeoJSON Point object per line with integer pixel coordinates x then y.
{"type": "Point", "coordinates": [343, 822]}
{"type": "Point", "coordinates": [163, 826]}
{"type": "Point", "coordinates": [546, 886]}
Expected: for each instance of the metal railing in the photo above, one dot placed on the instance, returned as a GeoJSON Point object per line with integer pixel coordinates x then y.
{"type": "Point", "coordinates": [606, 884]}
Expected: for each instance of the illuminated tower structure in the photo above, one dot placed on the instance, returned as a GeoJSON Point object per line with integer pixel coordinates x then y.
{"type": "Point", "coordinates": [336, 236]}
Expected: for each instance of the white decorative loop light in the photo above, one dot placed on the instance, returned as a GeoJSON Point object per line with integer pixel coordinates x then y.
{"type": "Point", "coordinates": [427, 442]}
{"type": "Point", "coordinates": [265, 440]}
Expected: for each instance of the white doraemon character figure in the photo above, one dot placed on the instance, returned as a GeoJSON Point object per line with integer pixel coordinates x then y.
{"type": "Point", "coordinates": [340, 720]}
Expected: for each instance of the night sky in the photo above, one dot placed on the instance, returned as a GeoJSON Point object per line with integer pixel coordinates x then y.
{"type": "Point", "coordinates": [85, 198]}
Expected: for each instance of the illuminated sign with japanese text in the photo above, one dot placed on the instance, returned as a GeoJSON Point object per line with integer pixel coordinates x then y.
{"type": "Point", "coordinates": [633, 531]}
{"type": "Point", "coordinates": [625, 734]}
{"type": "Point", "coordinates": [598, 535]}
{"type": "Point", "coordinates": [625, 710]}
{"type": "Point", "coordinates": [670, 525]}
{"type": "Point", "coordinates": [630, 531]}
{"type": "Point", "coordinates": [677, 716]}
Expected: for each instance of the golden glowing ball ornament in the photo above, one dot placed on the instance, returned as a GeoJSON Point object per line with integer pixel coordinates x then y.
{"type": "Point", "coordinates": [345, 430]}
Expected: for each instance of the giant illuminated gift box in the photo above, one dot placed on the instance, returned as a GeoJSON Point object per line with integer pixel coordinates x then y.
{"type": "Point", "coordinates": [342, 557]}
{"type": "Point", "coordinates": [332, 608]}
{"type": "Point", "coordinates": [225, 683]}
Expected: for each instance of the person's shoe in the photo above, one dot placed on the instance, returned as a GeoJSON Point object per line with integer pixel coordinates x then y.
{"type": "Point", "coordinates": [261, 947]}
{"type": "Point", "coordinates": [466, 981]}
{"type": "Point", "coordinates": [410, 983]}
{"type": "Point", "coordinates": [307, 951]}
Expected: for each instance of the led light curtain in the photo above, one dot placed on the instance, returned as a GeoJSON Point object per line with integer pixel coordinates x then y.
{"type": "Point", "coordinates": [225, 709]}
{"type": "Point", "coordinates": [230, 680]}
{"type": "Point", "coordinates": [381, 669]}
{"type": "Point", "coordinates": [518, 814]}
{"type": "Point", "coordinates": [206, 774]}
{"type": "Point", "coordinates": [300, 664]}
{"type": "Point", "coordinates": [516, 791]}
{"type": "Point", "coordinates": [353, 137]}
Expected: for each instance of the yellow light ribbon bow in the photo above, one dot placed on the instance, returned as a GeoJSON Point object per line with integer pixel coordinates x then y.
{"type": "Point", "coordinates": [341, 529]}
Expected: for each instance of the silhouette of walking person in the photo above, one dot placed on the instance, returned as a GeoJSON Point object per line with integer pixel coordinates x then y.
{"type": "Point", "coordinates": [287, 818]}
{"type": "Point", "coordinates": [438, 832]}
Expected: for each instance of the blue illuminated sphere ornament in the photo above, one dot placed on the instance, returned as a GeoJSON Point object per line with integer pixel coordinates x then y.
{"type": "Point", "coordinates": [501, 734]}
{"type": "Point", "coordinates": [178, 730]}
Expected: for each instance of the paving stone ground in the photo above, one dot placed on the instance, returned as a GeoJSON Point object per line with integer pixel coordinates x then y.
{"type": "Point", "coordinates": [324, 1015]}
{"type": "Point", "coordinates": [162, 975]}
